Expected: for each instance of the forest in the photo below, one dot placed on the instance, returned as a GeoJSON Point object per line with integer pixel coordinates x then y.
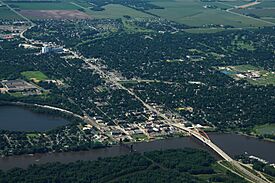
{"type": "Point", "coordinates": [185, 165]}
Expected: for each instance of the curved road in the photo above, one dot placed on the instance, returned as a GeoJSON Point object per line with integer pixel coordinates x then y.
{"type": "Point", "coordinates": [114, 80]}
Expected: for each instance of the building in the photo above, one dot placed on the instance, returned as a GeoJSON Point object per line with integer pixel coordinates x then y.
{"type": "Point", "coordinates": [17, 85]}
{"type": "Point", "coordinates": [47, 49]}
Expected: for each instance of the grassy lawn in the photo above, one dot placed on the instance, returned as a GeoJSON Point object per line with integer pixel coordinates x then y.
{"type": "Point", "coordinates": [35, 76]}
{"type": "Point", "coordinates": [43, 5]}
{"type": "Point", "coordinates": [140, 137]}
{"type": "Point", "coordinates": [7, 14]}
{"type": "Point", "coordinates": [32, 135]}
{"type": "Point", "coordinates": [17, 94]}
{"type": "Point", "coordinates": [267, 129]}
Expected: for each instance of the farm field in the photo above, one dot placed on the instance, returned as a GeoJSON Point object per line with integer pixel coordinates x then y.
{"type": "Point", "coordinates": [55, 14]}
{"type": "Point", "coordinates": [43, 5]}
{"type": "Point", "coordinates": [117, 11]}
{"type": "Point", "coordinates": [269, 19]}
{"type": "Point", "coordinates": [6, 14]}
{"type": "Point", "coordinates": [264, 10]}
{"type": "Point", "coordinates": [192, 13]}
{"type": "Point", "coordinates": [233, 3]}
{"type": "Point", "coordinates": [266, 4]}
{"type": "Point", "coordinates": [270, 12]}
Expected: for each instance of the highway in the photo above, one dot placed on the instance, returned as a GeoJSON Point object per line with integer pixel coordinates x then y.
{"type": "Point", "coordinates": [247, 174]}
{"type": "Point", "coordinates": [114, 80]}
{"type": "Point", "coordinates": [111, 77]}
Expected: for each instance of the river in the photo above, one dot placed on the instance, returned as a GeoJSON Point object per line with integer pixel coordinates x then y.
{"type": "Point", "coordinates": [231, 143]}
{"type": "Point", "coordinates": [12, 118]}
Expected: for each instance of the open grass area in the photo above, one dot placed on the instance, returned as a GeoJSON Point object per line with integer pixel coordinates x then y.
{"type": "Point", "coordinates": [254, 75]}
{"type": "Point", "coordinates": [32, 135]}
{"type": "Point", "coordinates": [17, 94]}
{"type": "Point", "coordinates": [35, 76]}
{"type": "Point", "coordinates": [267, 129]}
{"type": "Point", "coordinates": [140, 137]}
{"type": "Point", "coordinates": [7, 14]}
{"type": "Point", "coordinates": [193, 13]}
{"type": "Point", "coordinates": [117, 11]}
{"type": "Point", "coordinates": [43, 5]}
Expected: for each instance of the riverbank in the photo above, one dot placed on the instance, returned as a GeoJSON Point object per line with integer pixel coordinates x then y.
{"type": "Point", "coordinates": [44, 109]}
{"type": "Point", "coordinates": [232, 144]}
{"type": "Point", "coordinates": [30, 133]}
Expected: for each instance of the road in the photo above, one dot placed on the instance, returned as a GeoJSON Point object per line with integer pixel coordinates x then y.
{"type": "Point", "coordinates": [23, 17]}
{"type": "Point", "coordinates": [111, 77]}
{"type": "Point", "coordinates": [258, 19]}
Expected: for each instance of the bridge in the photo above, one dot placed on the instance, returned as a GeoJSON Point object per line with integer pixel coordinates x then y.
{"type": "Point", "coordinates": [203, 137]}
{"type": "Point", "coordinates": [194, 132]}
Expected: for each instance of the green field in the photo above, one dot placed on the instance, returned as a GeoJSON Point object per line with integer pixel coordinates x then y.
{"type": "Point", "coordinates": [233, 3]}
{"type": "Point", "coordinates": [189, 12]}
{"type": "Point", "coordinates": [35, 76]}
{"type": "Point", "coordinates": [192, 13]}
{"type": "Point", "coordinates": [7, 14]}
{"type": "Point", "coordinates": [265, 10]}
{"type": "Point", "coordinates": [266, 4]}
{"type": "Point", "coordinates": [43, 5]}
{"type": "Point", "coordinates": [260, 12]}
{"type": "Point", "coordinates": [267, 129]}
{"type": "Point", "coordinates": [269, 19]}
{"type": "Point", "coordinates": [117, 11]}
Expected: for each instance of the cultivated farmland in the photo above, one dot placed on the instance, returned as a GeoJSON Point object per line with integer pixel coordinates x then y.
{"type": "Point", "coordinates": [197, 13]}
{"type": "Point", "coordinates": [6, 14]}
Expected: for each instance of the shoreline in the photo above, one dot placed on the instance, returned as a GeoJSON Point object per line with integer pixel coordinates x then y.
{"type": "Point", "coordinates": [24, 161]}
{"type": "Point", "coordinates": [69, 116]}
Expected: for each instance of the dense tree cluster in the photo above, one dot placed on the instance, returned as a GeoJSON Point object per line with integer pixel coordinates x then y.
{"type": "Point", "coordinates": [217, 98]}
{"type": "Point", "coordinates": [72, 32]}
{"type": "Point", "coordinates": [129, 168]}
{"type": "Point", "coordinates": [258, 165]}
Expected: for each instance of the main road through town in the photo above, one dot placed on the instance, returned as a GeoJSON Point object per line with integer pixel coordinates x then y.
{"type": "Point", "coordinates": [112, 78]}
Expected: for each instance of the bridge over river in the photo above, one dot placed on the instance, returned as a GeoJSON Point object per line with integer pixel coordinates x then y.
{"type": "Point", "coordinates": [248, 175]}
